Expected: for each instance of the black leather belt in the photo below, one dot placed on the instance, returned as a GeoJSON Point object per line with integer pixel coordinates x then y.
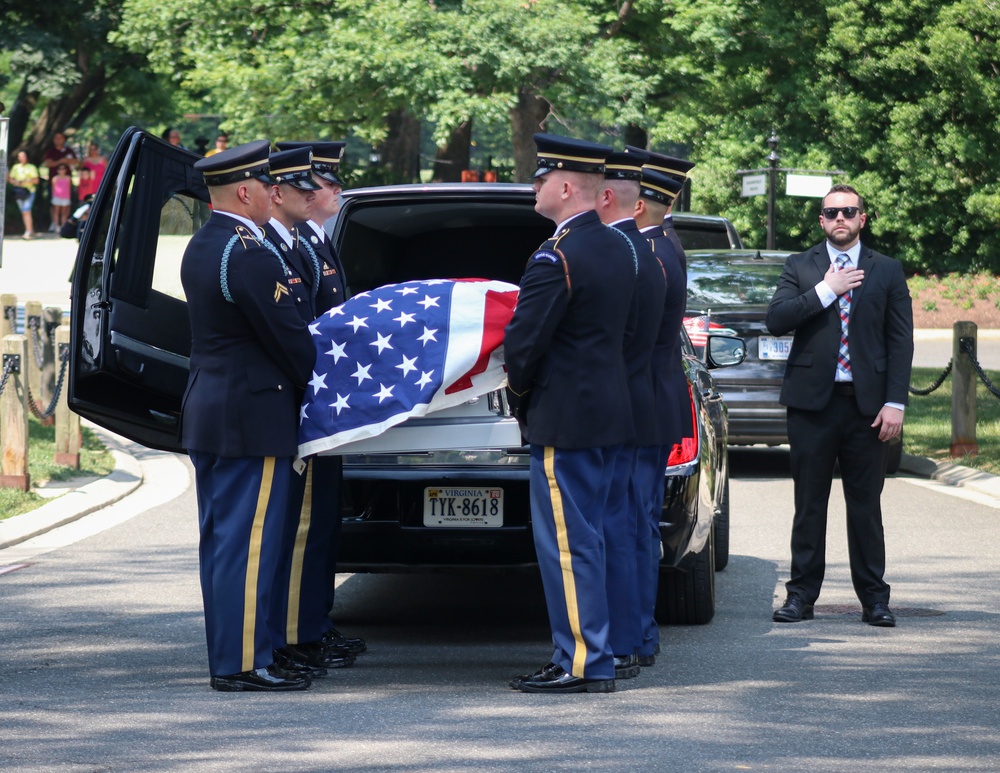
{"type": "Point", "coordinates": [843, 388]}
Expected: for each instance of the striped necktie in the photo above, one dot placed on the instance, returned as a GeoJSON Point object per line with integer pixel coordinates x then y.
{"type": "Point", "coordinates": [844, 306]}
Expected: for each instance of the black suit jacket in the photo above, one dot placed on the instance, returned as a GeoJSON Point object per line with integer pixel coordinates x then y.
{"type": "Point", "coordinates": [880, 332]}
{"type": "Point", "coordinates": [563, 346]}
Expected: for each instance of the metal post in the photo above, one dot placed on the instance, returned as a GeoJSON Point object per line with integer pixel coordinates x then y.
{"type": "Point", "coordinates": [772, 182]}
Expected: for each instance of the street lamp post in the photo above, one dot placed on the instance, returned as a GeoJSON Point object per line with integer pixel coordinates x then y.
{"type": "Point", "coordinates": [772, 181]}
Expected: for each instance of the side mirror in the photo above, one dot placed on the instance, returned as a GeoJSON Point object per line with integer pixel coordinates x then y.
{"type": "Point", "coordinates": [725, 351]}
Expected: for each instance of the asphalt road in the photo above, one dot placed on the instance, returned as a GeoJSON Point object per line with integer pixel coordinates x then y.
{"type": "Point", "coordinates": [104, 665]}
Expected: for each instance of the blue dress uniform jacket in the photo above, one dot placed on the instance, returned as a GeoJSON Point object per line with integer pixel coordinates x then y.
{"type": "Point", "coordinates": [301, 271]}
{"type": "Point", "coordinates": [249, 357]}
{"type": "Point", "coordinates": [333, 282]}
{"type": "Point", "coordinates": [563, 346]}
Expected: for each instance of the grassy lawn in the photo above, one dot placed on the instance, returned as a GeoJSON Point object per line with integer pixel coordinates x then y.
{"type": "Point", "coordinates": [95, 459]}
{"type": "Point", "coordinates": [927, 426]}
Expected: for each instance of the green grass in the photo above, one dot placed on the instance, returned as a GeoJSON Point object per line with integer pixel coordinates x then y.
{"type": "Point", "coordinates": [927, 425]}
{"type": "Point", "coordinates": [95, 459]}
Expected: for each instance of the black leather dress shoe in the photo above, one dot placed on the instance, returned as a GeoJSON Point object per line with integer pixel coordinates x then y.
{"type": "Point", "coordinates": [878, 614]}
{"type": "Point", "coordinates": [317, 655]}
{"type": "Point", "coordinates": [626, 666]}
{"type": "Point", "coordinates": [795, 611]}
{"type": "Point", "coordinates": [269, 679]}
{"type": "Point", "coordinates": [645, 661]}
{"type": "Point", "coordinates": [287, 663]}
{"type": "Point", "coordinates": [539, 673]}
{"type": "Point", "coordinates": [353, 644]}
{"type": "Point", "coordinates": [556, 680]}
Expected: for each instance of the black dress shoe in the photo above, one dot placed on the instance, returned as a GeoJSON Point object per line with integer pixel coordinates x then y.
{"type": "Point", "coordinates": [317, 655]}
{"type": "Point", "coordinates": [539, 673]}
{"type": "Point", "coordinates": [556, 680]}
{"type": "Point", "coordinates": [878, 614]}
{"type": "Point", "coordinates": [645, 661]}
{"type": "Point", "coordinates": [795, 610]}
{"type": "Point", "coordinates": [626, 666]}
{"type": "Point", "coordinates": [269, 679]}
{"type": "Point", "coordinates": [287, 663]}
{"type": "Point", "coordinates": [353, 644]}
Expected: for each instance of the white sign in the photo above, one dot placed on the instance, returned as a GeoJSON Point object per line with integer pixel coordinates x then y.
{"type": "Point", "coordinates": [814, 186]}
{"type": "Point", "coordinates": [754, 184]}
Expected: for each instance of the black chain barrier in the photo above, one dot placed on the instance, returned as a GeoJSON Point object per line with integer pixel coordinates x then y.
{"type": "Point", "coordinates": [9, 366]}
{"type": "Point", "coordinates": [34, 325]}
{"type": "Point", "coordinates": [33, 406]}
{"type": "Point", "coordinates": [966, 345]}
{"type": "Point", "coordinates": [938, 382]}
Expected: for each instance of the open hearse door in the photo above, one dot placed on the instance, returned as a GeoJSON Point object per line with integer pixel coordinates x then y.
{"type": "Point", "coordinates": [131, 337]}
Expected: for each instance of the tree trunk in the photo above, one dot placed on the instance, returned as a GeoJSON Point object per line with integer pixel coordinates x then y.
{"type": "Point", "coordinates": [63, 113]}
{"type": "Point", "coordinates": [20, 115]}
{"type": "Point", "coordinates": [526, 117]}
{"type": "Point", "coordinates": [452, 159]}
{"type": "Point", "coordinates": [636, 136]}
{"type": "Point", "coordinates": [401, 149]}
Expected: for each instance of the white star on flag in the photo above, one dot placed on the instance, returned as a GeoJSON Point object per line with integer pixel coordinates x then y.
{"type": "Point", "coordinates": [381, 305]}
{"type": "Point", "coordinates": [407, 291]}
{"type": "Point", "coordinates": [383, 393]}
{"type": "Point", "coordinates": [427, 302]}
{"type": "Point", "coordinates": [407, 364]}
{"type": "Point", "coordinates": [318, 382]}
{"type": "Point", "coordinates": [341, 403]}
{"type": "Point", "coordinates": [381, 342]}
{"type": "Point", "coordinates": [403, 318]}
{"type": "Point", "coordinates": [303, 413]}
{"type": "Point", "coordinates": [362, 373]}
{"type": "Point", "coordinates": [314, 327]}
{"type": "Point", "coordinates": [425, 378]}
{"type": "Point", "coordinates": [428, 335]}
{"type": "Point", "coordinates": [337, 350]}
{"type": "Point", "coordinates": [358, 322]}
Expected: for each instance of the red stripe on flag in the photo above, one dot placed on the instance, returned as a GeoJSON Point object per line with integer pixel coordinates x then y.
{"type": "Point", "coordinates": [497, 312]}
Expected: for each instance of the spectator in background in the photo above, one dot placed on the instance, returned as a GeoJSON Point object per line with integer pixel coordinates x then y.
{"type": "Point", "coordinates": [172, 136]}
{"type": "Point", "coordinates": [62, 192]}
{"type": "Point", "coordinates": [59, 153]}
{"type": "Point", "coordinates": [221, 143]}
{"type": "Point", "coordinates": [23, 177]}
{"type": "Point", "coordinates": [91, 172]}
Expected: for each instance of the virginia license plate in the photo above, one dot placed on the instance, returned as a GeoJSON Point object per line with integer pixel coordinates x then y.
{"type": "Point", "coordinates": [463, 506]}
{"type": "Point", "coordinates": [774, 347]}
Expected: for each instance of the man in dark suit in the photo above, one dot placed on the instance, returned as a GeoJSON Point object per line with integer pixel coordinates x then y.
{"type": "Point", "coordinates": [314, 509]}
{"type": "Point", "coordinates": [846, 385]}
{"type": "Point", "coordinates": [671, 419]}
{"type": "Point", "coordinates": [563, 350]}
{"type": "Point", "coordinates": [251, 355]}
{"type": "Point", "coordinates": [635, 466]}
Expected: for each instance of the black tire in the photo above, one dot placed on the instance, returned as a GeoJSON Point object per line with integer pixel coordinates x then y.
{"type": "Point", "coordinates": [721, 529]}
{"type": "Point", "coordinates": [894, 456]}
{"type": "Point", "coordinates": [688, 598]}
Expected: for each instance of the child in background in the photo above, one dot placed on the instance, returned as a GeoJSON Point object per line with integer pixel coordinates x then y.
{"type": "Point", "coordinates": [62, 192]}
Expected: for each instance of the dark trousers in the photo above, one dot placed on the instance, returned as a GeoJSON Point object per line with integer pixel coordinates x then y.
{"type": "Point", "coordinates": [569, 488]}
{"type": "Point", "coordinates": [242, 503]}
{"type": "Point", "coordinates": [304, 584]}
{"type": "Point", "coordinates": [621, 521]}
{"type": "Point", "coordinates": [820, 439]}
{"type": "Point", "coordinates": [649, 482]}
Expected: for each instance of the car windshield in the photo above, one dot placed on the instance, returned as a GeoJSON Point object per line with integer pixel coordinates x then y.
{"type": "Point", "coordinates": [713, 283]}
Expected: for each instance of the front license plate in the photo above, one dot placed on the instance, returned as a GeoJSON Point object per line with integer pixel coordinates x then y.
{"type": "Point", "coordinates": [458, 506]}
{"type": "Point", "coordinates": [774, 348]}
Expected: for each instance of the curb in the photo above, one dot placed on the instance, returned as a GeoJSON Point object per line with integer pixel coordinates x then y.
{"type": "Point", "coordinates": [75, 504]}
{"type": "Point", "coordinates": [952, 475]}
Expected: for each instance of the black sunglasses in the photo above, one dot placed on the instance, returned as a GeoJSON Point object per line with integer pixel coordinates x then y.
{"type": "Point", "coordinates": [830, 213]}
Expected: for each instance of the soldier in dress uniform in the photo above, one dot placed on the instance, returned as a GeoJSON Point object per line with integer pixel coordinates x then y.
{"type": "Point", "coordinates": [251, 355]}
{"type": "Point", "coordinates": [678, 170]}
{"type": "Point", "coordinates": [635, 465]}
{"type": "Point", "coordinates": [563, 350]}
{"type": "Point", "coordinates": [314, 509]}
{"type": "Point", "coordinates": [293, 197]}
{"type": "Point", "coordinates": [672, 416]}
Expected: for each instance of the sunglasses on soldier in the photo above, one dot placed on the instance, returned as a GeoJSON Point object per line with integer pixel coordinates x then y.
{"type": "Point", "coordinates": [830, 213]}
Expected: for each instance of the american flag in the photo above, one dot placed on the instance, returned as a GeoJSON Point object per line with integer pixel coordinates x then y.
{"type": "Point", "coordinates": [699, 327]}
{"type": "Point", "coordinates": [403, 350]}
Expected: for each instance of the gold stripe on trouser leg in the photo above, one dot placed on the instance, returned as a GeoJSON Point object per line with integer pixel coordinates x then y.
{"type": "Point", "coordinates": [298, 558]}
{"type": "Point", "coordinates": [566, 562]}
{"type": "Point", "coordinates": [253, 563]}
